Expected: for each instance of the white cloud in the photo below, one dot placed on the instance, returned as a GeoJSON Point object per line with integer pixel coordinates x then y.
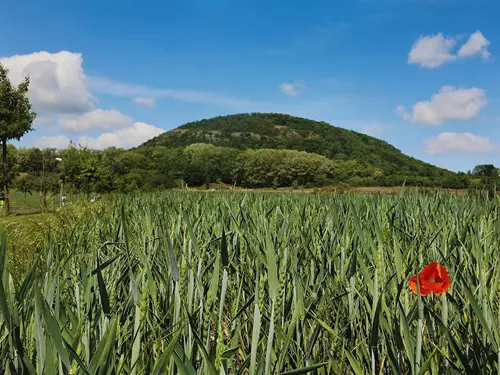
{"type": "Point", "coordinates": [401, 111]}
{"type": "Point", "coordinates": [291, 89]}
{"type": "Point", "coordinates": [124, 138]}
{"type": "Point", "coordinates": [57, 82]}
{"type": "Point", "coordinates": [476, 45]}
{"type": "Point", "coordinates": [372, 130]}
{"type": "Point", "coordinates": [96, 119]}
{"type": "Point", "coordinates": [147, 102]}
{"type": "Point", "coordinates": [449, 104]}
{"type": "Point", "coordinates": [58, 141]}
{"type": "Point", "coordinates": [109, 87]}
{"type": "Point", "coordinates": [131, 136]}
{"type": "Point", "coordinates": [432, 51]}
{"type": "Point", "coordinates": [458, 143]}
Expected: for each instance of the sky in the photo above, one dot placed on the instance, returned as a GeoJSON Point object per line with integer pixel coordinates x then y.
{"type": "Point", "coordinates": [422, 75]}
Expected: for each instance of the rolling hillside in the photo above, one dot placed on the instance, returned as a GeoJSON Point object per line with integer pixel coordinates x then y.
{"type": "Point", "coordinates": [279, 131]}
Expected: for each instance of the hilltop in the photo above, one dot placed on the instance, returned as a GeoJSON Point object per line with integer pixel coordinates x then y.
{"type": "Point", "coordinates": [285, 132]}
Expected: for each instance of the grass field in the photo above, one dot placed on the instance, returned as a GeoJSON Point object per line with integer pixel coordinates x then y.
{"type": "Point", "coordinates": [226, 283]}
{"type": "Point", "coordinates": [32, 203]}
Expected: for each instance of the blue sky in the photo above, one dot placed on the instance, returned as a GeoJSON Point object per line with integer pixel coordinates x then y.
{"type": "Point", "coordinates": [421, 74]}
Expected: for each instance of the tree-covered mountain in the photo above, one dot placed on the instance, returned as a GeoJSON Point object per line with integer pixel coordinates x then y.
{"type": "Point", "coordinates": [376, 159]}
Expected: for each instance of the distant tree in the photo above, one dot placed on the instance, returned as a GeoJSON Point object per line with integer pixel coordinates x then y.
{"type": "Point", "coordinates": [458, 181]}
{"type": "Point", "coordinates": [16, 119]}
{"type": "Point", "coordinates": [25, 185]}
{"type": "Point", "coordinates": [88, 172]}
{"type": "Point", "coordinates": [104, 182]}
{"type": "Point", "coordinates": [71, 166]}
{"type": "Point", "coordinates": [47, 183]}
{"type": "Point", "coordinates": [484, 170]}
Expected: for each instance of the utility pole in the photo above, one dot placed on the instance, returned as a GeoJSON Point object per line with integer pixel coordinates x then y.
{"type": "Point", "coordinates": [44, 195]}
{"type": "Point", "coordinates": [61, 192]}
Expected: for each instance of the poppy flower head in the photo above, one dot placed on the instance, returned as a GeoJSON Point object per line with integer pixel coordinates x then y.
{"type": "Point", "coordinates": [433, 278]}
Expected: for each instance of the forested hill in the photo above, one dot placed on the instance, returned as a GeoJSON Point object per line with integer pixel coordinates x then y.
{"type": "Point", "coordinates": [251, 151]}
{"type": "Point", "coordinates": [279, 131]}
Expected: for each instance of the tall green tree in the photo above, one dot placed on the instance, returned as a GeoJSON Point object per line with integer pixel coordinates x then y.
{"type": "Point", "coordinates": [88, 172]}
{"type": "Point", "coordinates": [25, 185]}
{"type": "Point", "coordinates": [16, 119]}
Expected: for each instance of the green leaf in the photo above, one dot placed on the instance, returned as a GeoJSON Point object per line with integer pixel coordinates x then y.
{"type": "Point", "coordinates": [427, 364]}
{"type": "Point", "coordinates": [223, 248]}
{"type": "Point", "coordinates": [272, 273]}
{"type": "Point", "coordinates": [375, 324]}
{"type": "Point", "coordinates": [208, 361]}
{"type": "Point", "coordinates": [255, 339]}
{"type": "Point", "coordinates": [102, 290]}
{"type": "Point", "coordinates": [355, 366]}
{"type": "Point", "coordinates": [172, 259]}
{"type": "Point", "coordinates": [162, 362]}
{"type": "Point", "coordinates": [479, 313]}
{"type": "Point", "coordinates": [182, 362]}
{"type": "Point", "coordinates": [54, 330]}
{"type": "Point", "coordinates": [304, 370]}
{"type": "Point", "coordinates": [105, 347]}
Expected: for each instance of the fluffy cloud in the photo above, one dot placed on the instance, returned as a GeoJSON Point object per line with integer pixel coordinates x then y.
{"type": "Point", "coordinates": [449, 104]}
{"type": "Point", "coordinates": [291, 89]}
{"type": "Point", "coordinates": [58, 84]}
{"type": "Point", "coordinates": [123, 138]}
{"type": "Point", "coordinates": [476, 45]}
{"type": "Point", "coordinates": [58, 141]}
{"type": "Point", "coordinates": [432, 51]}
{"type": "Point", "coordinates": [401, 111]}
{"type": "Point", "coordinates": [96, 119]}
{"type": "Point", "coordinates": [132, 136]}
{"type": "Point", "coordinates": [147, 102]}
{"type": "Point", "coordinates": [458, 142]}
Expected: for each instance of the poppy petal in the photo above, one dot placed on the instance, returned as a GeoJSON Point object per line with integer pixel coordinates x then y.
{"type": "Point", "coordinates": [445, 284]}
{"type": "Point", "coordinates": [430, 271]}
{"type": "Point", "coordinates": [412, 283]}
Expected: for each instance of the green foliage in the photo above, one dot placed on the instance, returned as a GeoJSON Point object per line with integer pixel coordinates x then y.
{"type": "Point", "coordinates": [16, 115]}
{"type": "Point", "coordinates": [25, 184]}
{"type": "Point", "coordinates": [281, 168]}
{"type": "Point", "coordinates": [281, 151]}
{"type": "Point", "coordinates": [186, 283]}
{"type": "Point", "coordinates": [206, 163]}
{"type": "Point", "coordinates": [16, 118]}
{"type": "Point", "coordinates": [485, 170]}
{"type": "Point", "coordinates": [279, 131]}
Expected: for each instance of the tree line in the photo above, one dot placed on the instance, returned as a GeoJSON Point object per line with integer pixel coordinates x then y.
{"type": "Point", "coordinates": [79, 169]}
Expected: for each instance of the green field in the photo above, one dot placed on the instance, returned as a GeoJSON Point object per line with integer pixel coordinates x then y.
{"type": "Point", "coordinates": [236, 283]}
{"type": "Point", "coordinates": [18, 200]}
{"type": "Point", "coordinates": [21, 204]}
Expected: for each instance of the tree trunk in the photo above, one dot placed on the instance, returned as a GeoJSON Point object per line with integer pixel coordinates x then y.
{"type": "Point", "coordinates": [5, 173]}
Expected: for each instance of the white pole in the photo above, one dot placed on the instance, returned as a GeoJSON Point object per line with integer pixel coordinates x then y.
{"type": "Point", "coordinates": [61, 194]}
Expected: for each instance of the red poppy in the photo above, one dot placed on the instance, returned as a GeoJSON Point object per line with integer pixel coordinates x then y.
{"type": "Point", "coordinates": [433, 278]}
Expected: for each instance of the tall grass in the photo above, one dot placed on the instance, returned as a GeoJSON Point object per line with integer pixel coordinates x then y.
{"type": "Point", "coordinates": [196, 283]}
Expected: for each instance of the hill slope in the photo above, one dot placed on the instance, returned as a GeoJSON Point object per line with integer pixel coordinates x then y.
{"type": "Point", "coordinates": [279, 131]}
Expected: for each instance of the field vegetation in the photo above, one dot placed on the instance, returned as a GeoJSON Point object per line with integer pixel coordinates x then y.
{"type": "Point", "coordinates": [235, 283]}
